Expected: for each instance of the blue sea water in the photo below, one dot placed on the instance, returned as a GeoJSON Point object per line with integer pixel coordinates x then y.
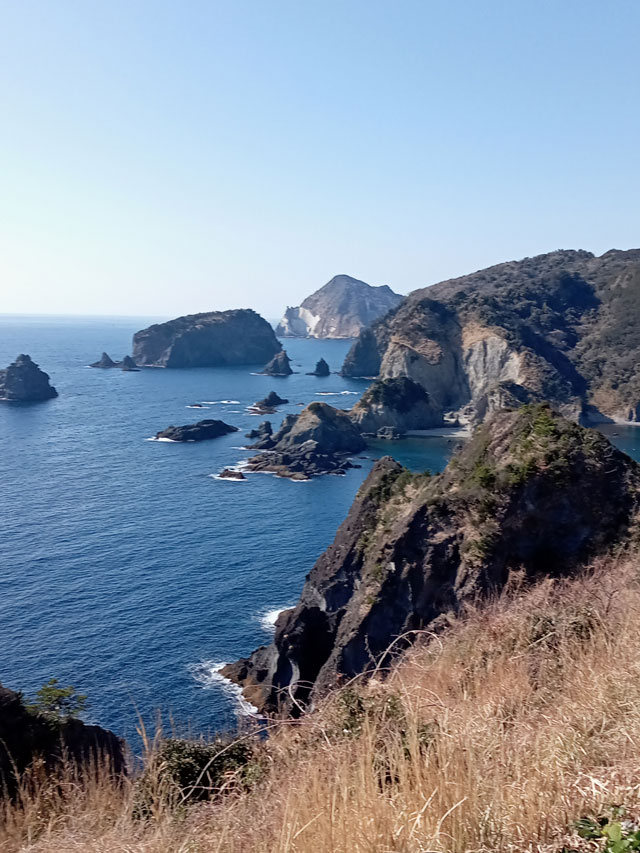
{"type": "Point", "coordinates": [126, 569]}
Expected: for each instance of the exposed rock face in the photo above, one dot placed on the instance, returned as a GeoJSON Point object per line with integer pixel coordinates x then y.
{"type": "Point", "coordinates": [531, 492]}
{"type": "Point", "coordinates": [26, 736]}
{"type": "Point", "coordinates": [24, 382]}
{"type": "Point", "coordinates": [563, 326]}
{"type": "Point", "coordinates": [317, 441]}
{"type": "Point", "coordinates": [214, 339]}
{"type": "Point", "coordinates": [105, 362]}
{"type": "Point", "coordinates": [201, 431]}
{"type": "Point", "coordinates": [280, 365]}
{"type": "Point", "coordinates": [322, 369]}
{"type": "Point", "coordinates": [399, 404]}
{"type": "Point", "coordinates": [340, 309]}
{"type": "Point", "coordinates": [268, 404]}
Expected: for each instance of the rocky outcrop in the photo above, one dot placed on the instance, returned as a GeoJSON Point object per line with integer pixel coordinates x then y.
{"type": "Point", "coordinates": [563, 326]}
{"type": "Point", "coordinates": [129, 365]}
{"type": "Point", "coordinates": [398, 404]}
{"type": "Point", "coordinates": [340, 309]}
{"type": "Point", "coordinates": [280, 365]}
{"type": "Point", "coordinates": [24, 382]}
{"type": "Point", "coordinates": [268, 404]}
{"type": "Point", "coordinates": [202, 431]}
{"type": "Point", "coordinates": [322, 369]}
{"type": "Point", "coordinates": [27, 737]}
{"type": "Point", "coordinates": [317, 441]}
{"type": "Point", "coordinates": [531, 492]}
{"type": "Point", "coordinates": [214, 339]}
{"type": "Point", "coordinates": [230, 474]}
{"type": "Point", "coordinates": [105, 363]}
{"type": "Point", "coordinates": [263, 433]}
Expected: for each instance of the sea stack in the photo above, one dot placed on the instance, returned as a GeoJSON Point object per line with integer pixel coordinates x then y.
{"type": "Point", "coordinates": [24, 382]}
{"type": "Point", "coordinates": [105, 363]}
{"type": "Point", "coordinates": [280, 365]}
{"type": "Point", "coordinates": [322, 369]}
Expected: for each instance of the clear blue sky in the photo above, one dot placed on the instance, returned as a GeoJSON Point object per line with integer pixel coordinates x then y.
{"type": "Point", "coordinates": [169, 157]}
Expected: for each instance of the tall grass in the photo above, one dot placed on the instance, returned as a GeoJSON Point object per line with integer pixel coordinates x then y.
{"type": "Point", "coordinates": [495, 735]}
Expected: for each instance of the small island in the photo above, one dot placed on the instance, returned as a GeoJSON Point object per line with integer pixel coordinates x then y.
{"type": "Point", "coordinates": [201, 431]}
{"type": "Point", "coordinates": [24, 382]}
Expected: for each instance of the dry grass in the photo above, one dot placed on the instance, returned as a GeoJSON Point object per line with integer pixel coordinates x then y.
{"type": "Point", "coordinates": [498, 734]}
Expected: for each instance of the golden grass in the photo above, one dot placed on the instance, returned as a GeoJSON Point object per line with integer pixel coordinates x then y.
{"type": "Point", "coordinates": [496, 735]}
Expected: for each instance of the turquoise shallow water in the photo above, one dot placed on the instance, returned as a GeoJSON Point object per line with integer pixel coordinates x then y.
{"type": "Point", "coordinates": [126, 569]}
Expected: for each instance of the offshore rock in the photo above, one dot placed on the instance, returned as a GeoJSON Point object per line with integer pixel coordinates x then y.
{"type": "Point", "coordinates": [105, 362]}
{"type": "Point", "coordinates": [317, 441]}
{"type": "Point", "coordinates": [280, 365]}
{"type": "Point", "coordinates": [340, 309]}
{"type": "Point", "coordinates": [322, 369]}
{"type": "Point", "coordinates": [24, 382]}
{"type": "Point", "coordinates": [202, 431]}
{"type": "Point", "coordinates": [229, 474]}
{"type": "Point", "coordinates": [268, 404]}
{"type": "Point", "coordinates": [128, 364]}
{"type": "Point", "coordinates": [214, 339]}
{"type": "Point", "coordinates": [262, 433]}
{"type": "Point", "coordinates": [531, 492]}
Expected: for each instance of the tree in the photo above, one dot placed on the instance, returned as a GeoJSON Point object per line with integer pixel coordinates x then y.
{"type": "Point", "coordinates": [62, 703]}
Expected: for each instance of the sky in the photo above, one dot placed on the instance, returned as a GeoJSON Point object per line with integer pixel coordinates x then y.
{"type": "Point", "coordinates": [164, 158]}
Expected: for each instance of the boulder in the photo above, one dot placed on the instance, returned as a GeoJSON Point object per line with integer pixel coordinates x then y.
{"type": "Point", "coordinates": [201, 431]}
{"type": "Point", "coordinates": [228, 474]}
{"type": "Point", "coordinates": [24, 382]}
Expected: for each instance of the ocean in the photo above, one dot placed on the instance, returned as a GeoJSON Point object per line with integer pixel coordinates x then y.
{"type": "Point", "coordinates": [126, 569]}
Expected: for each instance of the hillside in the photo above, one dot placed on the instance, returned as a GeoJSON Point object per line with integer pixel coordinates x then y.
{"type": "Point", "coordinates": [340, 309]}
{"type": "Point", "coordinates": [564, 326]}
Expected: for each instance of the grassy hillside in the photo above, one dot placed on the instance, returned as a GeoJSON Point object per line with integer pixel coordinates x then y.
{"type": "Point", "coordinates": [498, 734]}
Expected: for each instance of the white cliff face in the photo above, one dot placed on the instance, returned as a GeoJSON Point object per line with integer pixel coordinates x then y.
{"type": "Point", "coordinates": [340, 309]}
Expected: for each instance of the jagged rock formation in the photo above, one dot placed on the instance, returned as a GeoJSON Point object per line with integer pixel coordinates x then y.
{"type": "Point", "coordinates": [531, 492]}
{"type": "Point", "coordinates": [24, 382]}
{"type": "Point", "coordinates": [202, 431]}
{"type": "Point", "coordinates": [230, 474]}
{"type": "Point", "coordinates": [317, 441]}
{"type": "Point", "coordinates": [563, 326]}
{"type": "Point", "coordinates": [26, 737]}
{"type": "Point", "coordinates": [105, 363]}
{"type": "Point", "coordinates": [214, 339]}
{"type": "Point", "coordinates": [264, 431]}
{"type": "Point", "coordinates": [340, 309]}
{"type": "Point", "coordinates": [399, 404]}
{"type": "Point", "coordinates": [129, 365]}
{"type": "Point", "coordinates": [280, 365]}
{"type": "Point", "coordinates": [322, 369]}
{"type": "Point", "coordinates": [268, 404]}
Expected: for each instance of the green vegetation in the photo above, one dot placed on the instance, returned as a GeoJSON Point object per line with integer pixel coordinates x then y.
{"type": "Point", "coordinates": [59, 703]}
{"type": "Point", "coordinates": [400, 394]}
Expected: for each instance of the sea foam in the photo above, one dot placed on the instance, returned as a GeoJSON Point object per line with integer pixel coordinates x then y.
{"type": "Point", "coordinates": [207, 673]}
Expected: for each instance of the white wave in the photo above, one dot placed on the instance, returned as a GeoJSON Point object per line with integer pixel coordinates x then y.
{"type": "Point", "coordinates": [335, 393]}
{"type": "Point", "coordinates": [231, 402]}
{"type": "Point", "coordinates": [170, 440]}
{"type": "Point", "coordinates": [197, 407]}
{"type": "Point", "coordinates": [207, 673]}
{"type": "Point", "coordinates": [268, 618]}
{"type": "Point", "coordinates": [226, 479]}
{"type": "Point", "coordinates": [210, 402]}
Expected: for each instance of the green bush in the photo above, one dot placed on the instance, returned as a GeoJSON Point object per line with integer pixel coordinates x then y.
{"type": "Point", "coordinates": [59, 703]}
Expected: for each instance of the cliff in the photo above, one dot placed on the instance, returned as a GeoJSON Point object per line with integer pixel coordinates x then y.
{"type": "Point", "coordinates": [531, 492]}
{"type": "Point", "coordinates": [24, 382]}
{"type": "Point", "coordinates": [214, 339]}
{"type": "Point", "coordinates": [27, 736]}
{"type": "Point", "coordinates": [564, 326]}
{"type": "Point", "coordinates": [340, 309]}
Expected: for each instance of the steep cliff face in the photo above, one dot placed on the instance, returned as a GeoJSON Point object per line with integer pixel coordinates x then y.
{"type": "Point", "coordinates": [563, 326]}
{"type": "Point", "coordinates": [24, 382]}
{"type": "Point", "coordinates": [340, 309]}
{"type": "Point", "coordinates": [215, 339]}
{"type": "Point", "coordinates": [530, 492]}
